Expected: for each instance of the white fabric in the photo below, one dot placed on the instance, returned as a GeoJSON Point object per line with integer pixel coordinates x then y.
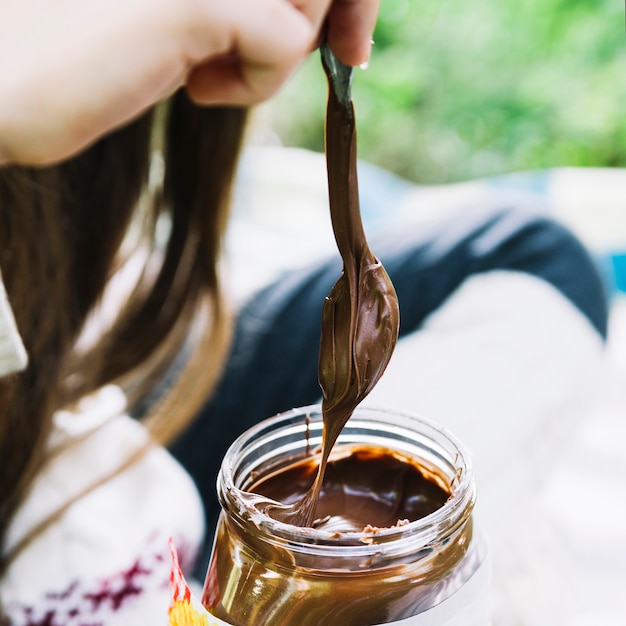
{"type": "Point", "coordinates": [13, 356]}
{"type": "Point", "coordinates": [507, 357]}
{"type": "Point", "coordinates": [510, 366]}
{"type": "Point", "coordinates": [106, 560]}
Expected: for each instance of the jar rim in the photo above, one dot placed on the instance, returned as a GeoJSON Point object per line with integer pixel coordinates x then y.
{"type": "Point", "coordinates": [425, 531]}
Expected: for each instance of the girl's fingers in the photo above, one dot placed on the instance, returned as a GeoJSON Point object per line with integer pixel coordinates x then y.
{"type": "Point", "coordinates": [350, 28]}
{"type": "Point", "coordinates": [71, 71]}
{"type": "Point", "coordinates": [273, 40]}
{"type": "Point", "coordinates": [269, 38]}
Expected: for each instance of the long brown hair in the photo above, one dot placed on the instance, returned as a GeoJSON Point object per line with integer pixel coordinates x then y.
{"type": "Point", "coordinates": [64, 230]}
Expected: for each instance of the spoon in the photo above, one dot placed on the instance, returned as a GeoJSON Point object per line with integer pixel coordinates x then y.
{"type": "Point", "coordinates": [360, 317]}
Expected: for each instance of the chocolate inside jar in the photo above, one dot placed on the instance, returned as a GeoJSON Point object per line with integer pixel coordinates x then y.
{"type": "Point", "coordinates": [365, 488]}
{"type": "Point", "coordinates": [392, 532]}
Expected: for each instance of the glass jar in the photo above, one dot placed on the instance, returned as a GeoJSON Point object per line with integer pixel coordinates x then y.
{"type": "Point", "coordinates": [433, 570]}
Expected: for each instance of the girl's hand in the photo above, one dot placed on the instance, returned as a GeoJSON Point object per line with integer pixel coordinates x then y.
{"type": "Point", "coordinates": [73, 70]}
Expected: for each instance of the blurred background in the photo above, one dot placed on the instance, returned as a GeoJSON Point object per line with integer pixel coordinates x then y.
{"type": "Point", "coordinates": [472, 89]}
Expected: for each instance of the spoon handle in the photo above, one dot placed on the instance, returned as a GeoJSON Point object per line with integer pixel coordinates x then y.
{"type": "Point", "coordinates": [339, 75]}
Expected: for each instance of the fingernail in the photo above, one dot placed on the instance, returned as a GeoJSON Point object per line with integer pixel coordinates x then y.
{"type": "Point", "coordinates": [366, 63]}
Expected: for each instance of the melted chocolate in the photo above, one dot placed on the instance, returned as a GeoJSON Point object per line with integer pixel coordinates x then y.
{"type": "Point", "coordinates": [364, 487]}
{"type": "Point", "coordinates": [352, 575]}
{"type": "Point", "coordinates": [254, 579]}
{"type": "Point", "coordinates": [360, 318]}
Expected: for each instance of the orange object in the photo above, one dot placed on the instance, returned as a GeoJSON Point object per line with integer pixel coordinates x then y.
{"type": "Point", "coordinates": [185, 609]}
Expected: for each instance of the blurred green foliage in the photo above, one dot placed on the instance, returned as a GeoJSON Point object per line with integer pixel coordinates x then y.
{"type": "Point", "coordinates": [458, 90]}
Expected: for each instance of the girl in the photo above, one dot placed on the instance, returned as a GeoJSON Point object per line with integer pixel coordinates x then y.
{"type": "Point", "coordinates": [125, 374]}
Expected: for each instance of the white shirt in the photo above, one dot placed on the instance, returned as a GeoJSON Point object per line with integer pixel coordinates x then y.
{"type": "Point", "coordinates": [106, 560]}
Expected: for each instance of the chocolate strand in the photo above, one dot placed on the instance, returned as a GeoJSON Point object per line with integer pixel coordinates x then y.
{"type": "Point", "coordinates": [360, 317]}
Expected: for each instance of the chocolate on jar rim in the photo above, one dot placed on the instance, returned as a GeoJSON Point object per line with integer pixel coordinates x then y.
{"type": "Point", "coordinates": [264, 571]}
{"type": "Point", "coordinates": [295, 436]}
